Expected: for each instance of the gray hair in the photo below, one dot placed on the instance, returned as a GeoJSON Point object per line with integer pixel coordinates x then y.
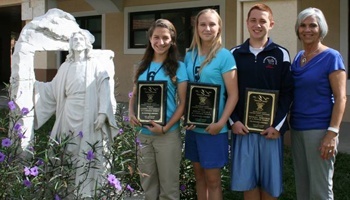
{"type": "Point", "coordinates": [317, 13]}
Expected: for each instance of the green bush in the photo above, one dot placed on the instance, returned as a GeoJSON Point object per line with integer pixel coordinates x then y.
{"type": "Point", "coordinates": [46, 171]}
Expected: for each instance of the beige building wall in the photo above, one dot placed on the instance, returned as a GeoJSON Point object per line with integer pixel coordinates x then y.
{"type": "Point", "coordinates": [124, 63]}
{"type": "Point", "coordinates": [74, 6]}
{"type": "Point", "coordinates": [230, 24]}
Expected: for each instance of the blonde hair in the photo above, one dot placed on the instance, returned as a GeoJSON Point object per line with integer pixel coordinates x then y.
{"type": "Point", "coordinates": [196, 41]}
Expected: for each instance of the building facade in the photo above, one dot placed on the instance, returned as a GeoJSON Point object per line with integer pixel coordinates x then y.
{"type": "Point", "coordinates": [121, 26]}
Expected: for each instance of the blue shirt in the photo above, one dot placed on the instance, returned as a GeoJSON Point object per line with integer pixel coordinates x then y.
{"type": "Point", "coordinates": [313, 96]}
{"type": "Point", "coordinates": [211, 74]}
{"type": "Point", "coordinates": [181, 76]}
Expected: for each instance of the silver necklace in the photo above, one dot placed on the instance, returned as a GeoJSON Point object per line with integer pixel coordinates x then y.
{"type": "Point", "coordinates": [304, 56]}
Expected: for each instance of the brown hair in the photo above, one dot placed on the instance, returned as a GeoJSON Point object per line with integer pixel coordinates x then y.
{"type": "Point", "coordinates": [171, 62]}
{"type": "Point", "coordinates": [261, 7]}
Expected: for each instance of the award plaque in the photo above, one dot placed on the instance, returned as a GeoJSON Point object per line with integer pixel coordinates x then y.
{"type": "Point", "coordinates": [202, 104]}
{"type": "Point", "coordinates": [151, 102]}
{"type": "Point", "coordinates": [260, 109]}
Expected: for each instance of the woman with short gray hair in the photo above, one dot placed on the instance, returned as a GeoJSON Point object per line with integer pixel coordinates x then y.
{"type": "Point", "coordinates": [318, 107]}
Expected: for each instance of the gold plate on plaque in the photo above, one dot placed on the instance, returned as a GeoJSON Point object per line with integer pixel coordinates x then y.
{"type": "Point", "coordinates": [202, 105]}
{"type": "Point", "coordinates": [260, 108]}
{"type": "Point", "coordinates": [151, 102]}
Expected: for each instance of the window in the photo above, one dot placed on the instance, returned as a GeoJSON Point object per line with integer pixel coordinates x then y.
{"type": "Point", "coordinates": [183, 20]}
{"type": "Point", "coordinates": [140, 22]}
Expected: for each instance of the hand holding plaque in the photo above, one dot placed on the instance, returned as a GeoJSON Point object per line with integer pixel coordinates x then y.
{"type": "Point", "coordinates": [260, 109]}
{"type": "Point", "coordinates": [151, 102]}
{"type": "Point", "coordinates": [202, 104]}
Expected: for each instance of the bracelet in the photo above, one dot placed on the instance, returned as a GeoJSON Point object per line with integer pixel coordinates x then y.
{"type": "Point", "coordinates": [334, 130]}
{"type": "Point", "coordinates": [163, 130]}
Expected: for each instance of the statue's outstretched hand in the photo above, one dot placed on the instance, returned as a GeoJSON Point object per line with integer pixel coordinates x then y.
{"type": "Point", "coordinates": [101, 118]}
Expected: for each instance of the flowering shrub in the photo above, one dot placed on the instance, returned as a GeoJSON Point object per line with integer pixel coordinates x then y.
{"type": "Point", "coordinates": [48, 172]}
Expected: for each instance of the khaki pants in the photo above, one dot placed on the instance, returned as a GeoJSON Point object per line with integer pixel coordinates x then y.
{"type": "Point", "coordinates": [159, 159]}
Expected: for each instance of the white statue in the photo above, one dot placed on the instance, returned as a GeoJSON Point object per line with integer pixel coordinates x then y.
{"type": "Point", "coordinates": [49, 32]}
{"type": "Point", "coordinates": [80, 96]}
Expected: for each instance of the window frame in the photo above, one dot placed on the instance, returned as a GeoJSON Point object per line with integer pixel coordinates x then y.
{"type": "Point", "coordinates": [162, 7]}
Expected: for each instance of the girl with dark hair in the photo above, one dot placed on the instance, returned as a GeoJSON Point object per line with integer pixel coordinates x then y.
{"type": "Point", "coordinates": [160, 150]}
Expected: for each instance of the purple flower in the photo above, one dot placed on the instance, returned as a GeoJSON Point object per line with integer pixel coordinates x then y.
{"type": "Point", "coordinates": [90, 155]}
{"type": "Point", "coordinates": [24, 111]}
{"type": "Point", "coordinates": [182, 188]}
{"type": "Point", "coordinates": [130, 94]}
{"type": "Point", "coordinates": [17, 127]}
{"type": "Point", "coordinates": [80, 134]}
{"type": "Point", "coordinates": [34, 171]}
{"type": "Point", "coordinates": [113, 181]}
{"type": "Point", "coordinates": [126, 118]}
{"type": "Point", "coordinates": [121, 131]}
{"type": "Point", "coordinates": [11, 105]}
{"type": "Point", "coordinates": [2, 157]}
{"type": "Point", "coordinates": [39, 162]}
{"type": "Point", "coordinates": [57, 197]}
{"type": "Point", "coordinates": [138, 142]}
{"type": "Point", "coordinates": [6, 142]}
{"type": "Point", "coordinates": [117, 186]}
{"type": "Point", "coordinates": [21, 136]}
{"type": "Point", "coordinates": [128, 187]}
{"type": "Point", "coordinates": [26, 171]}
{"type": "Point", "coordinates": [27, 183]}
